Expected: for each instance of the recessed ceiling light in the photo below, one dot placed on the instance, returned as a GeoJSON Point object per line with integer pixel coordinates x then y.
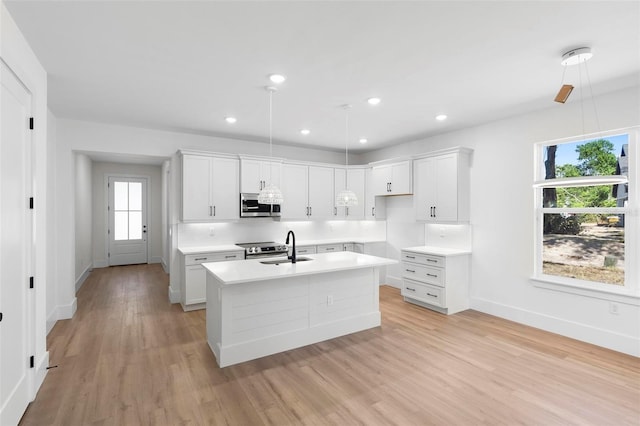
{"type": "Point", "coordinates": [230, 120]}
{"type": "Point", "coordinates": [305, 131]}
{"type": "Point", "coordinates": [441, 117]}
{"type": "Point", "coordinates": [277, 78]}
{"type": "Point", "coordinates": [373, 101]}
{"type": "Point", "coordinates": [362, 140]}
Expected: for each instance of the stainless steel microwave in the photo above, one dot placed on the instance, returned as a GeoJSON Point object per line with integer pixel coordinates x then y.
{"type": "Point", "coordinates": [250, 207]}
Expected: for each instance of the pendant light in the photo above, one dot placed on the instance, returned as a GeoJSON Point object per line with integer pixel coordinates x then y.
{"type": "Point", "coordinates": [346, 198]}
{"type": "Point", "coordinates": [270, 194]}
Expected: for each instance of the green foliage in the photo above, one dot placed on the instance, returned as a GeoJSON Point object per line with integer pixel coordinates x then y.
{"type": "Point", "coordinates": [559, 224]}
{"type": "Point", "coordinates": [596, 158]}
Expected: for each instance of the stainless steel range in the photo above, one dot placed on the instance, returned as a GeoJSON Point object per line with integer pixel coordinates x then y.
{"type": "Point", "coordinates": [263, 249]}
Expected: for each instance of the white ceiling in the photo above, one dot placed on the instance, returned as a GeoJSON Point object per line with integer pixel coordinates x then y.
{"type": "Point", "coordinates": [181, 65]}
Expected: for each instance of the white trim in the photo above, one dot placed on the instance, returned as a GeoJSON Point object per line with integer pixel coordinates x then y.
{"type": "Point", "coordinates": [83, 276]}
{"type": "Point", "coordinates": [52, 320]}
{"type": "Point", "coordinates": [165, 266]}
{"type": "Point", "coordinates": [67, 311]}
{"type": "Point", "coordinates": [40, 373]}
{"type": "Point", "coordinates": [393, 281]}
{"type": "Point", "coordinates": [174, 295]}
{"type": "Point", "coordinates": [611, 292]}
{"type": "Point", "coordinates": [597, 336]}
{"type": "Point", "coordinates": [155, 259]}
{"type": "Point", "coordinates": [102, 263]}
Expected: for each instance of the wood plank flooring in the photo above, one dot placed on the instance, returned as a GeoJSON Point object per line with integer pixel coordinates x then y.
{"type": "Point", "coordinates": [128, 357]}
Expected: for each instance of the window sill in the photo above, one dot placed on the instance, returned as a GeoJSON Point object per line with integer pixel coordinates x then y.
{"type": "Point", "coordinates": [593, 290]}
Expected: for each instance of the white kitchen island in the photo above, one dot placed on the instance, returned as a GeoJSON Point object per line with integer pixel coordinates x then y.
{"type": "Point", "coordinates": [256, 309]}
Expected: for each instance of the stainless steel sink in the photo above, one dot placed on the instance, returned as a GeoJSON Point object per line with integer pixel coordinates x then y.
{"type": "Point", "coordinates": [279, 261]}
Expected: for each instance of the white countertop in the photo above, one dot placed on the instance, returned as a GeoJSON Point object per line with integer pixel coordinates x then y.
{"type": "Point", "coordinates": [210, 249]}
{"type": "Point", "coordinates": [438, 251]}
{"type": "Point", "coordinates": [242, 271]}
{"type": "Point", "coordinates": [233, 247]}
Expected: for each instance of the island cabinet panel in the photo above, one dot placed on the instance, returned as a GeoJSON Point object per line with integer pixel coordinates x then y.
{"type": "Point", "coordinates": [254, 319]}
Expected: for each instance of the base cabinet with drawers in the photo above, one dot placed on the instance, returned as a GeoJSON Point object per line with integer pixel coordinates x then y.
{"type": "Point", "coordinates": [436, 279]}
{"type": "Point", "coordinates": [194, 279]}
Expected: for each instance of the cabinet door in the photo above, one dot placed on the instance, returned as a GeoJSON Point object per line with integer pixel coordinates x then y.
{"type": "Point", "coordinates": [424, 196]}
{"type": "Point", "coordinates": [196, 284]}
{"type": "Point", "coordinates": [294, 189]}
{"type": "Point", "coordinates": [271, 172]}
{"type": "Point", "coordinates": [196, 188]}
{"type": "Point", "coordinates": [355, 179]}
{"type": "Point", "coordinates": [381, 178]}
{"type": "Point", "coordinates": [401, 178]}
{"type": "Point", "coordinates": [374, 207]}
{"type": "Point", "coordinates": [225, 193]}
{"type": "Point", "coordinates": [446, 188]}
{"type": "Point", "coordinates": [250, 176]}
{"type": "Point", "coordinates": [321, 200]}
{"type": "Point", "coordinates": [339, 184]}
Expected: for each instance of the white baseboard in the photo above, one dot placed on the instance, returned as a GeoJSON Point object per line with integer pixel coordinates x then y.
{"type": "Point", "coordinates": [597, 336]}
{"type": "Point", "coordinates": [52, 319]}
{"type": "Point", "coordinates": [83, 277]}
{"type": "Point", "coordinates": [174, 295]}
{"type": "Point", "coordinates": [101, 263]}
{"type": "Point", "coordinates": [165, 266]}
{"type": "Point", "coordinates": [67, 311]}
{"type": "Point", "coordinates": [394, 281]}
{"type": "Point", "coordinates": [155, 259]}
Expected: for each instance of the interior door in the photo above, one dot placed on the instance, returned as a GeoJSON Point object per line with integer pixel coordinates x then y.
{"type": "Point", "coordinates": [127, 230]}
{"type": "Point", "coordinates": [15, 245]}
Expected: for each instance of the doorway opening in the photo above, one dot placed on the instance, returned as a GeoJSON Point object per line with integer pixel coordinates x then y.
{"type": "Point", "coordinates": [127, 228]}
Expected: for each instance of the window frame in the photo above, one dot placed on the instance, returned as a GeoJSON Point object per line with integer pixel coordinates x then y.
{"type": "Point", "coordinates": [630, 291]}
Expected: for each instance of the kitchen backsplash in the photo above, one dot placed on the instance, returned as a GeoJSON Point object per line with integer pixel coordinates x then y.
{"type": "Point", "coordinates": [266, 229]}
{"type": "Point", "coordinates": [448, 236]}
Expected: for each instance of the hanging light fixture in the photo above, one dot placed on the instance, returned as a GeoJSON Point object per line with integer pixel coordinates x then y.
{"type": "Point", "coordinates": [345, 197]}
{"type": "Point", "coordinates": [270, 194]}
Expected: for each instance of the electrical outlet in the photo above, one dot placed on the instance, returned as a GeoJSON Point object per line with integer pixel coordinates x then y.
{"type": "Point", "coordinates": [212, 231]}
{"type": "Point", "coordinates": [330, 300]}
{"type": "Point", "coordinates": [614, 308]}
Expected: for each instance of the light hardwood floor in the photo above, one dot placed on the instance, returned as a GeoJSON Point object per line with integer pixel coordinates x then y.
{"type": "Point", "coordinates": [128, 357]}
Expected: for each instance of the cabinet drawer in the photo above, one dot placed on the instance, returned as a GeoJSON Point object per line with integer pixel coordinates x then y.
{"type": "Point", "coordinates": [328, 248]}
{"type": "Point", "coordinates": [196, 259]}
{"type": "Point", "coordinates": [423, 273]}
{"type": "Point", "coordinates": [423, 292]}
{"type": "Point", "coordinates": [423, 259]}
{"type": "Point", "coordinates": [306, 250]}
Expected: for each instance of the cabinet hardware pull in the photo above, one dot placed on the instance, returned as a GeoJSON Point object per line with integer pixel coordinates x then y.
{"type": "Point", "coordinates": [329, 248]}
{"type": "Point", "coordinates": [432, 275]}
{"type": "Point", "coordinates": [409, 288]}
{"type": "Point", "coordinates": [373, 211]}
{"type": "Point", "coordinates": [231, 256]}
{"type": "Point", "coordinates": [214, 210]}
{"type": "Point", "coordinates": [335, 211]}
{"type": "Point", "coordinates": [410, 257]}
{"type": "Point", "coordinates": [310, 211]}
{"type": "Point", "coordinates": [432, 260]}
{"type": "Point", "coordinates": [200, 258]}
{"type": "Point", "coordinates": [390, 190]}
{"type": "Point", "coordinates": [346, 213]}
{"type": "Point", "coordinates": [432, 295]}
{"type": "Point", "coordinates": [210, 211]}
{"type": "Point", "coordinates": [409, 270]}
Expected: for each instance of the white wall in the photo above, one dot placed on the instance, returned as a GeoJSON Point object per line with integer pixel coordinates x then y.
{"type": "Point", "coordinates": [83, 214]}
{"type": "Point", "coordinates": [16, 53]}
{"type": "Point", "coordinates": [502, 219]}
{"type": "Point", "coordinates": [101, 171]}
{"type": "Point", "coordinates": [52, 264]}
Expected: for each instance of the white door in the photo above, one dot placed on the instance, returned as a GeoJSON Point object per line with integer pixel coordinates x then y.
{"type": "Point", "coordinates": [15, 237]}
{"type": "Point", "coordinates": [127, 220]}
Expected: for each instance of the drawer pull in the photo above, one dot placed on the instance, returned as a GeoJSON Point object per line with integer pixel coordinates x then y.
{"type": "Point", "coordinates": [231, 256]}
{"type": "Point", "coordinates": [432, 295]}
{"type": "Point", "coordinates": [432, 260]}
{"type": "Point", "coordinates": [410, 257]}
{"type": "Point", "coordinates": [200, 258]}
{"type": "Point", "coordinates": [432, 275]}
{"type": "Point", "coordinates": [412, 289]}
{"type": "Point", "coordinates": [409, 270]}
{"type": "Point", "coordinates": [329, 248]}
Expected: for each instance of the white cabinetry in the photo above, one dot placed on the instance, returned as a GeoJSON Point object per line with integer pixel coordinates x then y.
{"type": "Point", "coordinates": [194, 279]}
{"type": "Point", "coordinates": [255, 174]}
{"type": "Point", "coordinates": [392, 179]}
{"type": "Point", "coordinates": [209, 188]}
{"type": "Point", "coordinates": [435, 281]}
{"type": "Point", "coordinates": [355, 183]}
{"type": "Point", "coordinates": [307, 192]}
{"type": "Point", "coordinates": [441, 188]}
{"type": "Point", "coordinates": [305, 250]}
{"type": "Point", "coordinates": [375, 207]}
{"type": "Point", "coordinates": [328, 248]}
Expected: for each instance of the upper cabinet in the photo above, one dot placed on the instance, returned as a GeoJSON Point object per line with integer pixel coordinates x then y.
{"type": "Point", "coordinates": [355, 180]}
{"type": "Point", "coordinates": [209, 188]}
{"type": "Point", "coordinates": [375, 207]}
{"type": "Point", "coordinates": [307, 192]}
{"type": "Point", "coordinates": [255, 174]}
{"type": "Point", "coordinates": [392, 179]}
{"type": "Point", "coordinates": [441, 192]}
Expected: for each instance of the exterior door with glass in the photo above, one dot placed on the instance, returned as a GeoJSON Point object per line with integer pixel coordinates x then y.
{"type": "Point", "coordinates": [127, 230]}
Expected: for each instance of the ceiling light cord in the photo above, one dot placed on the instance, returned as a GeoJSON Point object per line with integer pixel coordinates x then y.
{"type": "Point", "coordinates": [346, 145]}
{"type": "Point", "coordinates": [270, 135]}
{"type": "Point", "coordinates": [593, 100]}
{"type": "Point", "coordinates": [581, 98]}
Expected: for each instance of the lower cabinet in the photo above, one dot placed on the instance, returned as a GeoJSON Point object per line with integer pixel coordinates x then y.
{"type": "Point", "coordinates": [194, 279]}
{"type": "Point", "coordinates": [437, 282]}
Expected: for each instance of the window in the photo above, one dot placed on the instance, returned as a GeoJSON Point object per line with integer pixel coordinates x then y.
{"type": "Point", "coordinates": [585, 222]}
{"type": "Point", "coordinates": [127, 211]}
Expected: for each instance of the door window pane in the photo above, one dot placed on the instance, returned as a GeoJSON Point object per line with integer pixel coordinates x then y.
{"type": "Point", "coordinates": [135, 196]}
{"type": "Point", "coordinates": [135, 225]}
{"type": "Point", "coordinates": [121, 226]}
{"type": "Point", "coordinates": [120, 195]}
